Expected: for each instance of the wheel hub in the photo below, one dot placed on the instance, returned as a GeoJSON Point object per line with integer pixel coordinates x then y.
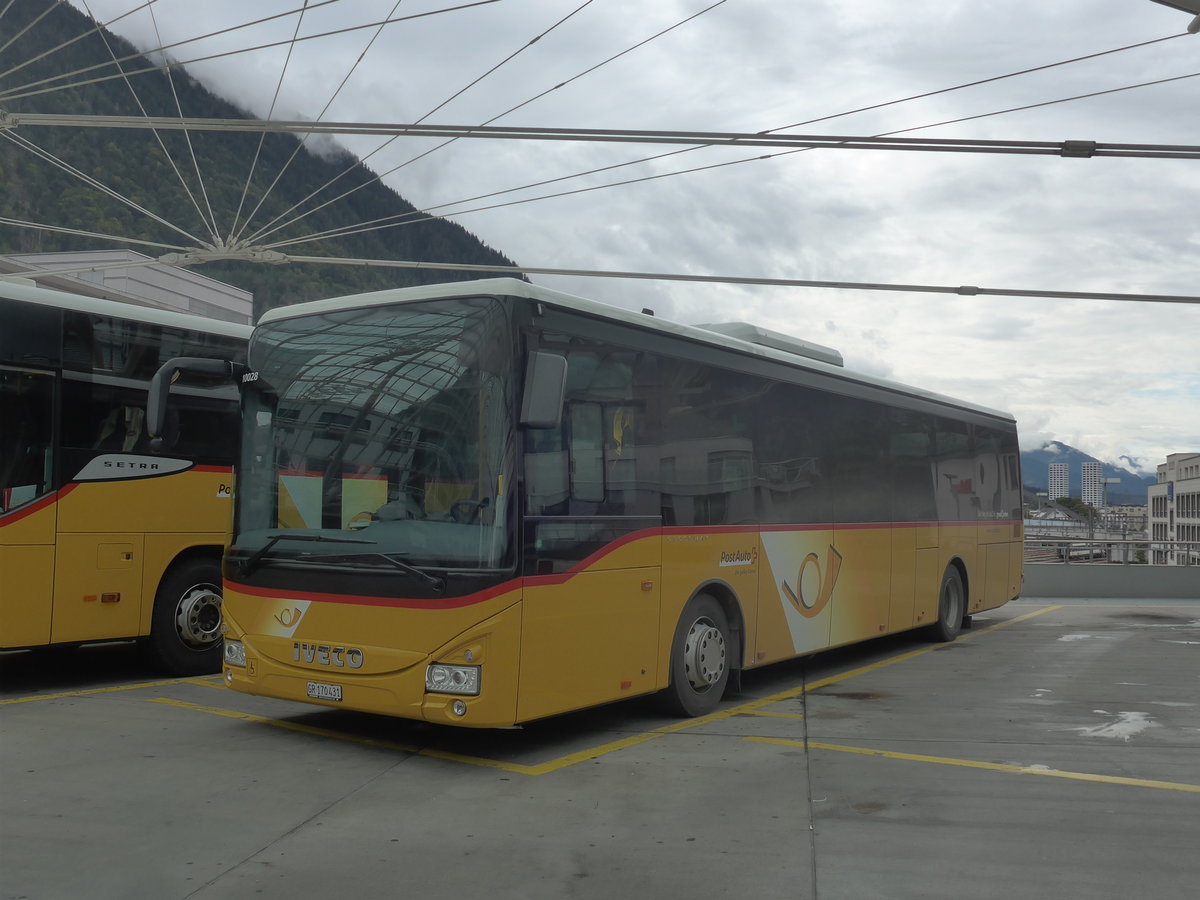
{"type": "Point", "coordinates": [704, 654]}
{"type": "Point", "coordinates": [198, 617]}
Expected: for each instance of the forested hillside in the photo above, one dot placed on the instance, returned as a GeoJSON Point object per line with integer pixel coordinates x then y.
{"type": "Point", "coordinates": [132, 164]}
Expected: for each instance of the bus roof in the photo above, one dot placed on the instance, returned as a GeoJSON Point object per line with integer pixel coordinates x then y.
{"type": "Point", "coordinates": [23, 290]}
{"type": "Point", "coordinates": [826, 363]}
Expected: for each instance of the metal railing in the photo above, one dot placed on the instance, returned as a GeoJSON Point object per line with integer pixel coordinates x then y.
{"type": "Point", "coordinates": [1110, 551]}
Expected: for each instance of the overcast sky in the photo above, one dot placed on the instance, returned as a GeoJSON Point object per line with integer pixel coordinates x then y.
{"type": "Point", "coordinates": [1110, 378]}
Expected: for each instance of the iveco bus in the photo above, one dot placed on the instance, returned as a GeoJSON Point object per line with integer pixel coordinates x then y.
{"type": "Point", "coordinates": [486, 502]}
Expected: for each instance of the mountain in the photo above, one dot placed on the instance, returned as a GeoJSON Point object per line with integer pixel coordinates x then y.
{"type": "Point", "coordinates": [34, 188]}
{"type": "Point", "coordinates": [1035, 472]}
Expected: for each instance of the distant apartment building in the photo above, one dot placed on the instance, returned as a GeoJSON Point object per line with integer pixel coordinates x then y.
{"type": "Point", "coordinates": [1174, 511]}
{"type": "Point", "coordinates": [1060, 481]}
{"type": "Point", "coordinates": [1092, 491]}
{"type": "Point", "coordinates": [134, 278]}
{"type": "Point", "coordinates": [1129, 520]}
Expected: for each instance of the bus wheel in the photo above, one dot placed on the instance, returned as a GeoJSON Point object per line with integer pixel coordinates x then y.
{"type": "Point", "coordinates": [700, 656]}
{"type": "Point", "coordinates": [952, 605]}
{"type": "Point", "coordinates": [185, 632]}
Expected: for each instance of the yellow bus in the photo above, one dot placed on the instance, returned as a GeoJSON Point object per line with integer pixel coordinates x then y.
{"type": "Point", "coordinates": [100, 540]}
{"type": "Point", "coordinates": [485, 503]}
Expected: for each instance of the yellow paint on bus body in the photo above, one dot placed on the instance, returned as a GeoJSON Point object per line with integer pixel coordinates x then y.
{"type": "Point", "coordinates": [85, 563]}
{"type": "Point", "coordinates": [604, 630]}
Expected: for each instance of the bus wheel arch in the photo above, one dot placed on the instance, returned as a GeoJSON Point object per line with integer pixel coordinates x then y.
{"type": "Point", "coordinates": [705, 651]}
{"type": "Point", "coordinates": [952, 603]}
{"type": "Point", "coordinates": [185, 624]}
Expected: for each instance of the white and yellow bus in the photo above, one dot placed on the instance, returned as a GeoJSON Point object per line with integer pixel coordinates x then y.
{"type": "Point", "coordinates": [485, 503]}
{"type": "Point", "coordinates": [99, 540]}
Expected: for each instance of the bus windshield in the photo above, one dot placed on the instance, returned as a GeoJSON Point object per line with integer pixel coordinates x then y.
{"type": "Point", "coordinates": [378, 438]}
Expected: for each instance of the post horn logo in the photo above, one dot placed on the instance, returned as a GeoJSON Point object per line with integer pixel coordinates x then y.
{"type": "Point", "coordinates": [288, 618]}
{"type": "Point", "coordinates": [810, 606]}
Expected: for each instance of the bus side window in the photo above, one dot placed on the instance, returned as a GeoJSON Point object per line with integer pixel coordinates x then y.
{"type": "Point", "coordinates": [207, 429]}
{"type": "Point", "coordinates": [26, 451]}
{"type": "Point", "coordinates": [910, 452]}
{"type": "Point", "coordinates": [587, 451]}
{"type": "Point", "coordinates": [99, 418]}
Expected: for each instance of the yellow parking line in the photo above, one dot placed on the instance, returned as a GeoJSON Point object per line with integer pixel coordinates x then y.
{"type": "Point", "coordinates": [994, 767]}
{"type": "Point", "coordinates": [87, 692]}
{"type": "Point", "coordinates": [279, 723]}
{"type": "Point", "coordinates": [751, 707]}
{"type": "Point", "coordinates": [539, 769]}
{"type": "Point", "coordinates": [773, 715]}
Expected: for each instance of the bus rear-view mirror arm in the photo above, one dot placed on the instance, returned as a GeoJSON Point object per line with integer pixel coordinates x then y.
{"type": "Point", "coordinates": [160, 388]}
{"type": "Point", "coordinates": [545, 384]}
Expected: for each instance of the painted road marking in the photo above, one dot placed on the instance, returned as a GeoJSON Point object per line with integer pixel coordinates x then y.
{"type": "Point", "coordinates": [210, 681]}
{"type": "Point", "coordinates": [751, 707]}
{"type": "Point", "coordinates": [994, 767]}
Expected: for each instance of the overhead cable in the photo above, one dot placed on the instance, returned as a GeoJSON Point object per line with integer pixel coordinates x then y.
{"type": "Point", "coordinates": [264, 232]}
{"type": "Point", "coordinates": [23, 92]}
{"type": "Point", "coordinates": [625, 136]}
{"type": "Point", "coordinates": [961, 290]}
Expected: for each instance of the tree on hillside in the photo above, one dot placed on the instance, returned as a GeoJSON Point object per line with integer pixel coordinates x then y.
{"type": "Point", "coordinates": [1077, 506]}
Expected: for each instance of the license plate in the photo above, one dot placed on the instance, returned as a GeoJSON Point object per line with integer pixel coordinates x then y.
{"type": "Point", "coordinates": [318, 691]}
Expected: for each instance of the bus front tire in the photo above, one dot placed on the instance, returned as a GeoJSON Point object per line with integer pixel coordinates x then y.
{"type": "Point", "coordinates": [185, 629]}
{"type": "Point", "coordinates": [952, 607]}
{"type": "Point", "coordinates": [700, 657]}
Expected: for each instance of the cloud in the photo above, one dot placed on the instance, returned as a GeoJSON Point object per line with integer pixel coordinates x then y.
{"type": "Point", "coordinates": [1110, 378]}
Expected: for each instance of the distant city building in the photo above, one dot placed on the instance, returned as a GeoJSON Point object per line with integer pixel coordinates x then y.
{"type": "Point", "coordinates": [1093, 484]}
{"type": "Point", "coordinates": [1174, 511]}
{"type": "Point", "coordinates": [1129, 520]}
{"type": "Point", "coordinates": [1060, 484]}
{"type": "Point", "coordinates": [131, 277]}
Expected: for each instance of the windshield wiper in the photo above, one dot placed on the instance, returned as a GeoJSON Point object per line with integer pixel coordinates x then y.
{"type": "Point", "coordinates": [438, 584]}
{"type": "Point", "coordinates": [250, 563]}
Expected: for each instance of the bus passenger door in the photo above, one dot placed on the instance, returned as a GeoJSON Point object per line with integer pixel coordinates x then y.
{"type": "Point", "coordinates": [28, 514]}
{"type": "Point", "coordinates": [589, 631]}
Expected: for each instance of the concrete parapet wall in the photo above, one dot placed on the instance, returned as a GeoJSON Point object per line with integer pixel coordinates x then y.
{"type": "Point", "coordinates": [1085, 581]}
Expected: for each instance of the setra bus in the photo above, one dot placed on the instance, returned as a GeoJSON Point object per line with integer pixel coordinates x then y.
{"type": "Point", "coordinates": [99, 540]}
{"type": "Point", "coordinates": [484, 503]}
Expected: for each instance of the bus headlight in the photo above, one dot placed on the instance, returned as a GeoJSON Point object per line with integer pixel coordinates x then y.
{"type": "Point", "coordinates": [445, 679]}
{"type": "Point", "coordinates": [235, 653]}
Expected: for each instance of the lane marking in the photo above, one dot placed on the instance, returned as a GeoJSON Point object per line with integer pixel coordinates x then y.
{"type": "Point", "coordinates": [990, 766]}
{"type": "Point", "coordinates": [751, 707]}
{"type": "Point", "coordinates": [774, 715]}
{"type": "Point", "coordinates": [209, 680]}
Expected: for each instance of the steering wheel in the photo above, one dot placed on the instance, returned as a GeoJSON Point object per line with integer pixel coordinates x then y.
{"type": "Point", "coordinates": [467, 512]}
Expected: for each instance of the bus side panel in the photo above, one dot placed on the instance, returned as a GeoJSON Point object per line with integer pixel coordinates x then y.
{"type": "Point", "coordinates": [26, 582]}
{"type": "Point", "coordinates": [861, 608]}
{"type": "Point", "coordinates": [97, 587]}
{"type": "Point", "coordinates": [994, 550]}
{"type": "Point", "coordinates": [26, 574]}
{"type": "Point", "coordinates": [192, 501]}
{"type": "Point", "coordinates": [902, 611]}
{"type": "Point", "coordinates": [957, 542]}
{"type": "Point", "coordinates": [799, 584]}
{"type": "Point", "coordinates": [729, 560]}
{"type": "Point", "coordinates": [589, 641]}
{"type": "Point", "coordinates": [1016, 564]}
{"type": "Point", "coordinates": [927, 580]}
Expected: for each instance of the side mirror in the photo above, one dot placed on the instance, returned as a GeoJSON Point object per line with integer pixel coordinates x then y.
{"type": "Point", "coordinates": [160, 388]}
{"type": "Point", "coordinates": [545, 384]}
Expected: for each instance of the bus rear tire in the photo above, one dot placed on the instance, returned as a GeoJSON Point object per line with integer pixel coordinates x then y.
{"type": "Point", "coordinates": [185, 629]}
{"type": "Point", "coordinates": [700, 659]}
{"type": "Point", "coordinates": [952, 607]}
